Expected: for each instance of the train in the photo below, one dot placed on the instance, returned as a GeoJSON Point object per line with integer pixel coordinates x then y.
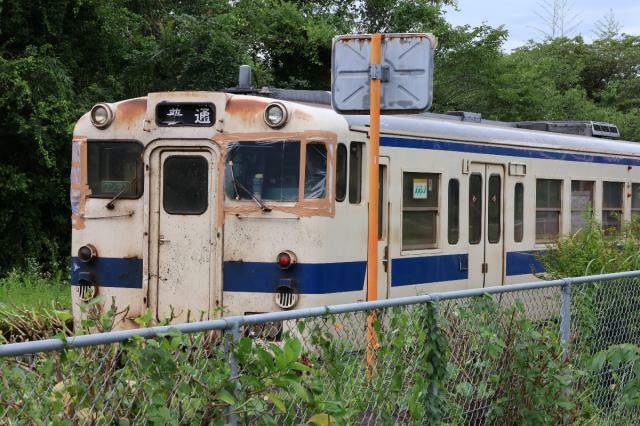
{"type": "Point", "coordinates": [194, 205]}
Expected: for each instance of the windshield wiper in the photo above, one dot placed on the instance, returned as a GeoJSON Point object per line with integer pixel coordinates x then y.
{"type": "Point", "coordinates": [236, 184]}
{"type": "Point", "coordinates": [110, 205]}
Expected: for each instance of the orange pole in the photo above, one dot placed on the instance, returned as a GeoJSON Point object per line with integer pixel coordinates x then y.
{"type": "Point", "coordinates": [374, 151]}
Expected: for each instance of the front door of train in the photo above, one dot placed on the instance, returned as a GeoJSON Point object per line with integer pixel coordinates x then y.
{"type": "Point", "coordinates": [486, 231]}
{"type": "Point", "coordinates": [185, 238]}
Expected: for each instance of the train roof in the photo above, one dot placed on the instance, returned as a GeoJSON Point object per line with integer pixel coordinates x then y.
{"type": "Point", "coordinates": [454, 126]}
{"type": "Point", "coordinates": [439, 126]}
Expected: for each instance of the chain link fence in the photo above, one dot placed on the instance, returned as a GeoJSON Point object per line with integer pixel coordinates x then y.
{"type": "Point", "coordinates": [557, 352]}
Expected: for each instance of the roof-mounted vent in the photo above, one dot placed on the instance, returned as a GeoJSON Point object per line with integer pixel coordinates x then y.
{"type": "Point", "coordinates": [583, 128]}
{"type": "Point", "coordinates": [474, 117]}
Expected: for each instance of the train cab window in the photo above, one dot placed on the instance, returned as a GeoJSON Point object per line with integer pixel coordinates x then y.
{"type": "Point", "coordinates": [419, 210]}
{"type": "Point", "coordinates": [355, 172]}
{"type": "Point", "coordinates": [315, 171]}
{"type": "Point", "coordinates": [185, 180]}
{"type": "Point", "coordinates": [518, 213]}
{"type": "Point", "coordinates": [453, 212]}
{"type": "Point", "coordinates": [612, 202]}
{"type": "Point", "coordinates": [267, 170]}
{"type": "Point", "coordinates": [475, 208]}
{"type": "Point", "coordinates": [115, 168]}
{"type": "Point", "coordinates": [341, 172]}
{"type": "Point", "coordinates": [635, 201]}
{"type": "Point", "coordinates": [548, 208]}
{"type": "Point", "coordinates": [581, 203]}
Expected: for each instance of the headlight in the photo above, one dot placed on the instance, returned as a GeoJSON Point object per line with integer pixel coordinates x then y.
{"type": "Point", "coordinates": [87, 253]}
{"type": "Point", "coordinates": [275, 115]}
{"type": "Point", "coordinates": [101, 116]}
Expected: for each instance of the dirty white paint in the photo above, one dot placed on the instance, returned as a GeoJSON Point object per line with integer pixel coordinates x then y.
{"type": "Point", "coordinates": [187, 272]}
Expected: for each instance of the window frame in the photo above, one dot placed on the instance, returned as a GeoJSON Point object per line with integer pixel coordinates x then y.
{"type": "Point", "coordinates": [469, 211]}
{"type": "Point", "coordinates": [436, 244]}
{"type": "Point", "coordinates": [139, 186]}
{"type": "Point", "coordinates": [330, 144]}
{"type": "Point", "coordinates": [303, 171]}
{"type": "Point", "coordinates": [346, 171]}
{"type": "Point", "coordinates": [571, 207]}
{"type": "Point", "coordinates": [604, 209]}
{"type": "Point", "coordinates": [499, 211]}
{"type": "Point", "coordinates": [207, 187]}
{"type": "Point", "coordinates": [457, 212]}
{"type": "Point", "coordinates": [515, 212]}
{"type": "Point", "coordinates": [360, 172]}
{"type": "Point", "coordinates": [546, 240]}
{"type": "Point", "coordinates": [635, 210]}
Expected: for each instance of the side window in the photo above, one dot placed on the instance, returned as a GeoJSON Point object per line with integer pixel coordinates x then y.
{"type": "Point", "coordinates": [453, 210]}
{"type": "Point", "coordinates": [494, 209]}
{"type": "Point", "coordinates": [635, 201]}
{"type": "Point", "coordinates": [475, 208]}
{"type": "Point", "coordinates": [581, 202]}
{"type": "Point", "coordinates": [419, 210]}
{"type": "Point", "coordinates": [315, 171]}
{"type": "Point", "coordinates": [115, 168]}
{"type": "Point", "coordinates": [341, 173]}
{"type": "Point", "coordinates": [548, 208]}
{"type": "Point", "coordinates": [185, 184]}
{"type": "Point", "coordinates": [612, 200]}
{"type": "Point", "coordinates": [518, 213]}
{"type": "Point", "coordinates": [355, 173]}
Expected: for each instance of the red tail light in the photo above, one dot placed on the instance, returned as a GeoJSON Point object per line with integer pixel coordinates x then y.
{"type": "Point", "coordinates": [286, 259]}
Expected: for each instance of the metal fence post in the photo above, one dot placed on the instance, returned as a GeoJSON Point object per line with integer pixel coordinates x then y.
{"type": "Point", "coordinates": [565, 317]}
{"type": "Point", "coordinates": [233, 363]}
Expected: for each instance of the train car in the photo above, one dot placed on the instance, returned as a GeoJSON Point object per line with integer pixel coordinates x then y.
{"type": "Point", "coordinates": [193, 205]}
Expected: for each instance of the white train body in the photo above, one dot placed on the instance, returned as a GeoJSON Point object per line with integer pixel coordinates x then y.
{"type": "Point", "coordinates": [158, 206]}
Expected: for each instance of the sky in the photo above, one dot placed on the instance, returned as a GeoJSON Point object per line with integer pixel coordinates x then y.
{"type": "Point", "coordinates": [520, 18]}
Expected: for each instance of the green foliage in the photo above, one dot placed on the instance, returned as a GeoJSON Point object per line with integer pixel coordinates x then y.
{"type": "Point", "coordinates": [506, 365]}
{"type": "Point", "coordinates": [58, 59]}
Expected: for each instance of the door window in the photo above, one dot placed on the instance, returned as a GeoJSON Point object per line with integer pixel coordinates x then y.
{"type": "Point", "coordinates": [185, 182]}
{"type": "Point", "coordinates": [612, 205]}
{"type": "Point", "coordinates": [453, 227]}
{"type": "Point", "coordinates": [475, 208]}
{"type": "Point", "coordinates": [419, 210]}
{"type": "Point", "coordinates": [494, 209]}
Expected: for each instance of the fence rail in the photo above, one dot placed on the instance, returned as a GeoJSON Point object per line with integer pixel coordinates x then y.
{"type": "Point", "coordinates": [552, 352]}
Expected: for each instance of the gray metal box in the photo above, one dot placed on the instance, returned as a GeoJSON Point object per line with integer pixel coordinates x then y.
{"type": "Point", "coordinates": [406, 72]}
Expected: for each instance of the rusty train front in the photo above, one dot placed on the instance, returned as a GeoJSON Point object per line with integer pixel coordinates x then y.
{"type": "Point", "coordinates": [194, 205]}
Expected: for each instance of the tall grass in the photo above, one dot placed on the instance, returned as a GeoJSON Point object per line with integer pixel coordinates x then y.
{"type": "Point", "coordinates": [34, 304]}
{"type": "Point", "coordinates": [30, 287]}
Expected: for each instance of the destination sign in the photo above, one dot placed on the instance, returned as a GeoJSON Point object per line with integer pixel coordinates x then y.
{"type": "Point", "coordinates": [185, 114]}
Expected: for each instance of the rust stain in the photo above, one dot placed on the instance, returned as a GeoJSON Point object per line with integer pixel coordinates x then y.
{"type": "Point", "coordinates": [301, 115]}
{"type": "Point", "coordinates": [246, 109]}
{"type": "Point", "coordinates": [302, 208]}
{"type": "Point", "coordinates": [82, 186]}
{"type": "Point", "coordinates": [130, 113]}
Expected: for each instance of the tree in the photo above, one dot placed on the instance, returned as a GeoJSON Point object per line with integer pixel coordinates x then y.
{"type": "Point", "coordinates": [558, 18]}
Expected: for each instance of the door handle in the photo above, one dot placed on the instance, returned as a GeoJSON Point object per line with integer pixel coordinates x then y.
{"type": "Point", "coordinates": [385, 259]}
{"type": "Point", "coordinates": [162, 240]}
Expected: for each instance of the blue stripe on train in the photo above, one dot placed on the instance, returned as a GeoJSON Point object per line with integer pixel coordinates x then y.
{"type": "Point", "coordinates": [311, 278]}
{"type": "Point", "coordinates": [502, 150]}
{"type": "Point", "coordinates": [110, 271]}
{"type": "Point", "coordinates": [524, 262]}
{"type": "Point", "coordinates": [429, 269]}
